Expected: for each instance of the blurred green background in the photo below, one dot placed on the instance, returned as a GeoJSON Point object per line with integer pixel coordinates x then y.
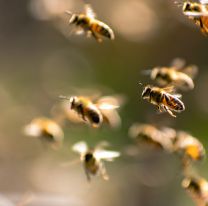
{"type": "Point", "coordinates": [39, 60]}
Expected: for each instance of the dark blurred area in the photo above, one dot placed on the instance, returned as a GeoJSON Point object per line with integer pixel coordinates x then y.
{"type": "Point", "coordinates": [40, 60]}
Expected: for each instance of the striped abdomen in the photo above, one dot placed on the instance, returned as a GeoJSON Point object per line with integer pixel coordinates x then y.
{"type": "Point", "coordinates": [102, 29]}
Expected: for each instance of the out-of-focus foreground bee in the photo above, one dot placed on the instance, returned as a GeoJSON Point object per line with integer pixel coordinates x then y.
{"type": "Point", "coordinates": [94, 113]}
{"type": "Point", "coordinates": [178, 75]}
{"type": "Point", "coordinates": [197, 188]}
{"type": "Point", "coordinates": [46, 129]}
{"type": "Point", "coordinates": [92, 159]}
{"type": "Point", "coordinates": [164, 99]}
{"type": "Point", "coordinates": [87, 23]}
{"type": "Point", "coordinates": [189, 147]}
{"type": "Point", "coordinates": [149, 134]}
{"type": "Point", "coordinates": [198, 12]}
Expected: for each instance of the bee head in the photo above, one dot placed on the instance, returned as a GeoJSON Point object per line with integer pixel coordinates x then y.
{"type": "Point", "coordinates": [73, 101]}
{"type": "Point", "coordinates": [146, 92]}
{"type": "Point", "coordinates": [74, 18]}
{"type": "Point", "coordinates": [88, 157]}
{"type": "Point", "coordinates": [191, 184]}
{"type": "Point", "coordinates": [191, 7]}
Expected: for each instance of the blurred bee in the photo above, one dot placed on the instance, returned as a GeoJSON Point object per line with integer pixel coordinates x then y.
{"type": "Point", "coordinates": [149, 134]}
{"type": "Point", "coordinates": [46, 129]}
{"type": "Point", "coordinates": [198, 12]}
{"type": "Point", "coordinates": [189, 147]}
{"type": "Point", "coordinates": [163, 99]}
{"type": "Point", "coordinates": [87, 23]}
{"type": "Point", "coordinates": [178, 75]}
{"type": "Point", "coordinates": [197, 188]}
{"type": "Point", "coordinates": [103, 110]}
{"type": "Point", "coordinates": [92, 159]}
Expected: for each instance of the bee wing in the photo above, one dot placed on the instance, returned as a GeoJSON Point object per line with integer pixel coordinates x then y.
{"type": "Point", "coordinates": [203, 1]}
{"type": "Point", "coordinates": [89, 11]}
{"type": "Point", "coordinates": [169, 89]}
{"type": "Point", "coordinates": [106, 155]}
{"type": "Point", "coordinates": [80, 147]}
{"type": "Point", "coordinates": [178, 63]}
{"type": "Point", "coordinates": [32, 130]}
{"type": "Point", "coordinates": [112, 118]}
{"type": "Point", "coordinates": [178, 95]}
{"type": "Point", "coordinates": [191, 70]}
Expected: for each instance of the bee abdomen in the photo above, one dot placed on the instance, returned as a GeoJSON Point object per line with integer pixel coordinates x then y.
{"type": "Point", "coordinates": [103, 29]}
{"type": "Point", "coordinates": [94, 117]}
{"type": "Point", "coordinates": [174, 103]}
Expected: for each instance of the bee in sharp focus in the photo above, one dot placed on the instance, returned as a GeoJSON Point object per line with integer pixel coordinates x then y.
{"type": "Point", "coordinates": [149, 134]}
{"type": "Point", "coordinates": [88, 24]}
{"type": "Point", "coordinates": [198, 12]}
{"type": "Point", "coordinates": [197, 188]}
{"type": "Point", "coordinates": [46, 129]}
{"type": "Point", "coordinates": [189, 147]}
{"type": "Point", "coordinates": [95, 112]}
{"type": "Point", "coordinates": [92, 159]}
{"type": "Point", "coordinates": [164, 99]}
{"type": "Point", "coordinates": [178, 75]}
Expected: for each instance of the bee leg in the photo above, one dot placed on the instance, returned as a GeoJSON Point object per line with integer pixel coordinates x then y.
{"type": "Point", "coordinates": [99, 39]}
{"type": "Point", "coordinates": [103, 172]}
{"type": "Point", "coordinates": [87, 175]}
{"type": "Point", "coordinates": [169, 112]}
{"type": "Point", "coordinates": [88, 34]}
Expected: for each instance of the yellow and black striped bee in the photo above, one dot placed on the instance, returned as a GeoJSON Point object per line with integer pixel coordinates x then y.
{"type": "Point", "coordinates": [88, 24]}
{"type": "Point", "coordinates": [163, 99]}
{"type": "Point", "coordinates": [92, 159]}
{"type": "Point", "coordinates": [197, 188]}
{"type": "Point", "coordinates": [189, 147]}
{"type": "Point", "coordinates": [94, 112]}
{"type": "Point", "coordinates": [178, 75]}
{"type": "Point", "coordinates": [149, 134]}
{"type": "Point", "coordinates": [47, 130]}
{"type": "Point", "coordinates": [198, 12]}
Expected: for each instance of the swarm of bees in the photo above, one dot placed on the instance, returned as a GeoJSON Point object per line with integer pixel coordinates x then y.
{"type": "Point", "coordinates": [88, 24]}
{"type": "Point", "coordinates": [97, 111]}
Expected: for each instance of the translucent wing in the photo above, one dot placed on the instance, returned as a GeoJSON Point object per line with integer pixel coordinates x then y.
{"type": "Point", "coordinates": [112, 118]}
{"type": "Point", "coordinates": [106, 155]}
{"type": "Point", "coordinates": [89, 11]}
{"type": "Point", "coordinates": [32, 130]}
{"type": "Point", "coordinates": [106, 106]}
{"type": "Point", "coordinates": [80, 147]}
{"type": "Point", "coordinates": [169, 89]}
{"type": "Point", "coordinates": [178, 63]}
{"type": "Point", "coordinates": [195, 14]}
{"type": "Point", "coordinates": [203, 1]}
{"type": "Point", "coordinates": [191, 70]}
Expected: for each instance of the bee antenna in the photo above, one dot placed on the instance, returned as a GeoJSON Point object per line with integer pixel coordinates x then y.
{"type": "Point", "coordinates": [68, 12]}
{"type": "Point", "coordinates": [64, 97]}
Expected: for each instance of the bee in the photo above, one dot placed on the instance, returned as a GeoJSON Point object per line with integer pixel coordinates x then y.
{"type": "Point", "coordinates": [198, 12]}
{"type": "Point", "coordinates": [149, 134]}
{"type": "Point", "coordinates": [197, 188]}
{"type": "Point", "coordinates": [178, 75]}
{"type": "Point", "coordinates": [92, 159]}
{"type": "Point", "coordinates": [189, 147]}
{"type": "Point", "coordinates": [94, 112]}
{"type": "Point", "coordinates": [87, 23]}
{"type": "Point", "coordinates": [46, 129]}
{"type": "Point", "coordinates": [163, 99]}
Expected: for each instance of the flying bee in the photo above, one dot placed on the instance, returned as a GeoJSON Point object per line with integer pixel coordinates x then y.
{"type": "Point", "coordinates": [46, 129]}
{"type": "Point", "coordinates": [163, 99]}
{"type": "Point", "coordinates": [94, 113]}
{"type": "Point", "coordinates": [197, 188]}
{"type": "Point", "coordinates": [178, 75]}
{"type": "Point", "coordinates": [189, 147]}
{"type": "Point", "coordinates": [92, 159]}
{"type": "Point", "coordinates": [198, 12]}
{"type": "Point", "coordinates": [149, 134]}
{"type": "Point", "coordinates": [87, 23]}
